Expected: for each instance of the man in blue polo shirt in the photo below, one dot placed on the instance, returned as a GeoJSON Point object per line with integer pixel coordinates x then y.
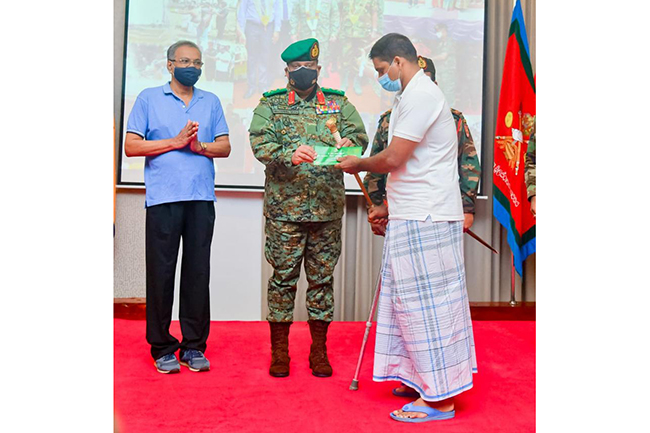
{"type": "Point", "coordinates": [179, 129]}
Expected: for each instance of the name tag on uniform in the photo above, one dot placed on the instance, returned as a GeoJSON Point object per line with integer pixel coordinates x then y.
{"type": "Point", "coordinates": [285, 111]}
{"type": "Point", "coordinates": [329, 107]}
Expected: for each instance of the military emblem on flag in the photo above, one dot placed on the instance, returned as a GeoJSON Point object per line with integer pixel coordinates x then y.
{"type": "Point", "coordinates": [515, 124]}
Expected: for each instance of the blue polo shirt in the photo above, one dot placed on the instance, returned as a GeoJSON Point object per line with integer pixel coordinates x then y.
{"type": "Point", "coordinates": [177, 175]}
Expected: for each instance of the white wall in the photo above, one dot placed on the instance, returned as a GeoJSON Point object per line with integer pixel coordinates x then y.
{"type": "Point", "coordinates": [236, 273]}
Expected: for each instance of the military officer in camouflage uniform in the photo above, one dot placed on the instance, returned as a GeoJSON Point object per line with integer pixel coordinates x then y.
{"type": "Point", "coordinates": [469, 168]}
{"type": "Point", "coordinates": [303, 203]}
{"type": "Point", "coordinates": [530, 175]}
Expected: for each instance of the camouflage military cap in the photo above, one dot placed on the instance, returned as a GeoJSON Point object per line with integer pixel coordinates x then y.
{"type": "Point", "coordinates": [301, 51]}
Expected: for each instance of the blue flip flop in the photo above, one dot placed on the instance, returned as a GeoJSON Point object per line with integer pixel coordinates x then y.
{"type": "Point", "coordinates": [432, 414]}
{"type": "Point", "coordinates": [409, 394]}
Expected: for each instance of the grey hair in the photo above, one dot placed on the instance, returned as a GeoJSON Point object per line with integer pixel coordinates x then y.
{"type": "Point", "coordinates": [171, 51]}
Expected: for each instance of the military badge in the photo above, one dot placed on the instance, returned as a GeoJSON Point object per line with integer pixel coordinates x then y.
{"type": "Point", "coordinates": [314, 51]}
{"type": "Point", "coordinates": [421, 63]}
{"type": "Point", "coordinates": [511, 145]}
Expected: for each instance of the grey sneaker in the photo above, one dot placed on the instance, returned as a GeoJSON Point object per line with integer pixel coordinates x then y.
{"type": "Point", "coordinates": [168, 364]}
{"type": "Point", "coordinates": [195, 360]}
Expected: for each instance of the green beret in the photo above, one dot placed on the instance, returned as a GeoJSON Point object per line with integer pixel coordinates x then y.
{"type": "Point", "coordinates": [301, 51]}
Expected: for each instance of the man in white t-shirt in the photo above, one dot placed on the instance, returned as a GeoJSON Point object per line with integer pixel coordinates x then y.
{"type": "Point", "coordinates": [424, 330]}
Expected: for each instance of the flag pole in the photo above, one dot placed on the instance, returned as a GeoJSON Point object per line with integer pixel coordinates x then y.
{"type": "Point", "coordinates": [513, 301]}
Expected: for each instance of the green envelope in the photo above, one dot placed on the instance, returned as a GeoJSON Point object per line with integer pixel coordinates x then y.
{"type": "Point", "coordinates": [327, 155]}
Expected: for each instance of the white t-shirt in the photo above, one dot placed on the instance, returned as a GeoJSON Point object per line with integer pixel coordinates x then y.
{"type": "Point", "coordinates": [427, 185]}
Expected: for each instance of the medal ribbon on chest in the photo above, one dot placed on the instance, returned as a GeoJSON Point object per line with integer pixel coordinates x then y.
{"type": "Point", "coordinates": [330, 107]}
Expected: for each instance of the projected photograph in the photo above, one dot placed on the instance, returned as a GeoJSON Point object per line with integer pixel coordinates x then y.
{"type": "Point", "coordinates": [241, 42]}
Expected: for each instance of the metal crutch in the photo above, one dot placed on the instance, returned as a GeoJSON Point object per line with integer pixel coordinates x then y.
{"type": "Point", "coordinates": [355, 382]}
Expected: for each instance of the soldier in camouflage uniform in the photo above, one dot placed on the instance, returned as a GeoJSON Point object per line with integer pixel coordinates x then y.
{"type": "Point", "coordinates": [361, 21]}
{"type": "Point", "coordinates": [446, 60]}
{"type": "Point", "coordinates": [318, 19]}
{"type": "Point", "coordinates": [531, 162]}
{"type": "Point", "coordinates": [303, 203]}
{"type": "Point", "coordinates": [469, 169]}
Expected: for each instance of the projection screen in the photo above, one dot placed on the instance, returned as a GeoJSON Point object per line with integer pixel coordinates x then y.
{"type": "Point", "coordinates": [241, 59]}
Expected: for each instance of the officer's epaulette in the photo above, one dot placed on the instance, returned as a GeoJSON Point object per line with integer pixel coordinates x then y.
{"type": "Point", "coordinates": [456, 112]}
{"type": "Point", "coordinates": [274, 92]}
{"type": "Point", "coordinates": [335, 91]}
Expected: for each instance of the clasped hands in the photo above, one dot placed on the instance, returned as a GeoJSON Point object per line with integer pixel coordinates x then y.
{"type": "Point", "coordinates": [305, 153]}
{"type": "Point", "coordinates": [188, 135]}
{"type": "Point", "coordinates": [378, 218]}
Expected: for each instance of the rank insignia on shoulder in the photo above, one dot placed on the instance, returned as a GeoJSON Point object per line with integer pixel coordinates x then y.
{"type": "Point", "coordinates": [274, 92]}
{"type": "Point", "coordinates": [334, 91]}
{"type": "Point", "coordinates": [329, 107]}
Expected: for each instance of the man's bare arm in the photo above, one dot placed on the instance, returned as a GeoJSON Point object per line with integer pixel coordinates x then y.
{"type": "Point", "coordinates": [135, 145]}
{"type": "Point", "coordinates": [390, 159]}
{"type": "Point", "coordinates": [219, 148]}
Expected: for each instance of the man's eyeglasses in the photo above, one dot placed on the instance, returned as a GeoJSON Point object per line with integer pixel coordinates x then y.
{"type": "Point", "coordinates": [186, 62]}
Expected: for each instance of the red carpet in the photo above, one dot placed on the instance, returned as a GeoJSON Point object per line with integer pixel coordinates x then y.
{"type": "Point", "coordinates": [239, 396]}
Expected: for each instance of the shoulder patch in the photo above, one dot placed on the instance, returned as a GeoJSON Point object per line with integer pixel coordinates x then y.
{"type": "Point", "coordinates": [458, 118]}
{"type": "Point", "coordinates": [274, 92]}
{"type": "Point", "coordinates": [334, 91]}
{"type": "Point", "coordinates": [461, 123]}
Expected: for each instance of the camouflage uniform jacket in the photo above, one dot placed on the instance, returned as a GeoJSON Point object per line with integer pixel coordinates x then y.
{"type": "Point", "coordinates": [360, 17]}
{"type": "Point", "coordinates": [531, 161]}
{"type": "Point", "coordinates": [469, 168]}
{"type": "Point", "coordinates": [282, 122]}
{"type": "Point", "coordinates": [328, 21]}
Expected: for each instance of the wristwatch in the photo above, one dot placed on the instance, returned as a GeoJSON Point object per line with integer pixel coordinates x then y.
{"type": "Point", "coordinates": [204, 146]}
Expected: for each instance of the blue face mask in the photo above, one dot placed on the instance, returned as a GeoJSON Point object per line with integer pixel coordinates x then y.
{"type": "Point", "coordinates": [187, 76]}
{"type": "Point", "coordinates": [388, 84]}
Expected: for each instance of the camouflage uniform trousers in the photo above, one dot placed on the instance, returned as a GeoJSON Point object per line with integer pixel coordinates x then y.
{"type": "Point", "coordinates": [352, 56]}
{"type": "Point", "coordinates": [286, 245]}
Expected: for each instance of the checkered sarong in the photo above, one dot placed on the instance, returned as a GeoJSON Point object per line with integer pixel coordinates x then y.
{"type": "Point", "coordinates": [424, 330]}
